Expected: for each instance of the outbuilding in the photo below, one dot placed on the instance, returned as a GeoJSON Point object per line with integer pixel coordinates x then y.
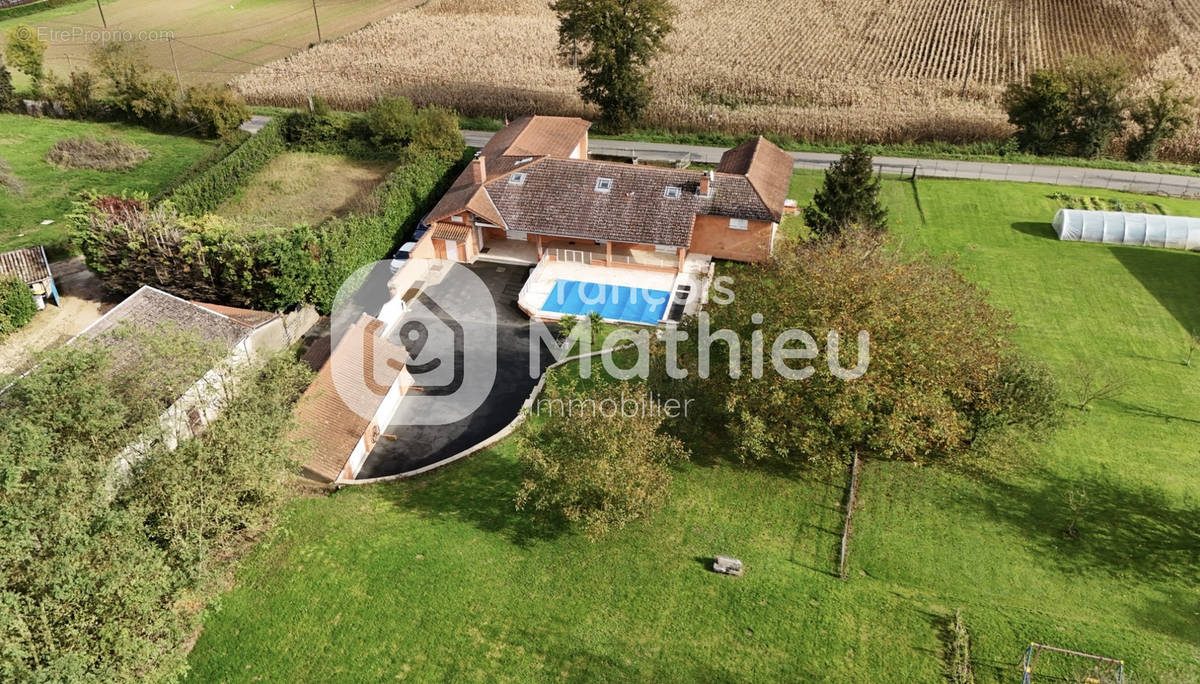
{"type": "Point", "coordinates": [29, 265]}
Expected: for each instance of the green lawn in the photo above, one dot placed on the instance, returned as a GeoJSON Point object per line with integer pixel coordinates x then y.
{"type": "Point", "coordinates": [49, 190]}
{"type": "Point", "coordinates": [440, 578]}
{"type": "Point", "coordinates": [303, 187]}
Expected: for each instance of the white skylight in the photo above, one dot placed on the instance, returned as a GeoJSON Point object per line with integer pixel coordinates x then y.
{"type": "Point", "coordinates": [517, 179]}
{"type": "Point", "coordinates": [604, 185]}
{"type": "Point", "coordinates": [673, 192]}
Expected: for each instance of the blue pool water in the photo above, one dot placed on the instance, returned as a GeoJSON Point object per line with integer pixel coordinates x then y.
{"type": "Point", "coordinates": [614, 302]}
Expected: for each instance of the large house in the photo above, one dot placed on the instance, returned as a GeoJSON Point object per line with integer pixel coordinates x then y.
{"type": "Point", "coordinates": [533, 196]}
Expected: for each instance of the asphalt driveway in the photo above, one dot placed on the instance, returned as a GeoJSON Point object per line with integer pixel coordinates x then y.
{"type": "Point", "coordinates": [417, 446]}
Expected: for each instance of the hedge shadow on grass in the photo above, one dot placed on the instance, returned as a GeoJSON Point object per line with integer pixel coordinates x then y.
{"type": "Point", "coordinates": [480, 490]}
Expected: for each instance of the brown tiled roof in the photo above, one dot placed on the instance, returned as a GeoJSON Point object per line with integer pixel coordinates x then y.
{"type": "Point", "coordinates": [766, 166]}
{"type": "Point", "coordinates": [246, 317]}
{"type": "Point", "coordinates": [559, 198]}
{"type": "Point", "coordinates": [534, 136]}
{"type": "Point", "coordinates": [325, 414]}
{"type": "Point", "coordinates": [150, 307]}
{"type": "Point", "coordinates": [28, 264]}
{"type": "Point", "coordinates": [450, 231]}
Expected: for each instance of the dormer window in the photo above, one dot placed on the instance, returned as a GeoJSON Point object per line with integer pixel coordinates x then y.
{"type": "Point", "coordinates": [517, 179]}
{"type": "Point", "coordinates": [604, 185]}
{"type": "Point", "coordinates": [673, 192]}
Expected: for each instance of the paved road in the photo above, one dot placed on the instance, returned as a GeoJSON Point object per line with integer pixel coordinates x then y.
{"type": "Point", "coordinates": [1131, 181]}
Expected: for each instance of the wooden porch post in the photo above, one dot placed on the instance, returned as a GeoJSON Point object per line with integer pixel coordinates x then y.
{"type": "Point", "coordinates": [682, 257]}
{"type": "Point", "coordinates": [539, 247]}
{"type": "Point", "coordinates": [608, 253]}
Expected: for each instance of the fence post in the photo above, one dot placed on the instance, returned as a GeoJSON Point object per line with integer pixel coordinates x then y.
{"type": "Point", "coordinates": [850, 501]}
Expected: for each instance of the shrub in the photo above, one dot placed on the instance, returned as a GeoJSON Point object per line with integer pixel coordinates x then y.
{"type": "Point", "coordinates": [594, 469]}
{"type": "Point", "coordinates": [135, 92]}
{"type": "Point", "coordinates": [208, 190]}
{"type": "Point", "coordinates": [396, 125]}
{"type": "Point", "coordinates": [223, 149]}
{"type": "Point", "coordinates": [215, 111]}
{"type": "Point", "coordinates": [75, 95]}
{"type": "Point", "coordinates": [8, 94]}
{"type": "Point", "coordinates": [1160, 116]}
{"type": "Point", "coordinates": [111, 154]}
{"type": "Point", "coordinates": [16, 305]}
{"type": "Point", "coordinates": [1075, 109]}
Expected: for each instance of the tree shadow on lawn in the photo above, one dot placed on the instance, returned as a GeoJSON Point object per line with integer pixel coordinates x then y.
{"type": "Point", "coordinates": [1127, 532]}
{"type": "Point", "coordinates": [481, 490]}
{"type": "Point", "coordinates": [1172, 276]}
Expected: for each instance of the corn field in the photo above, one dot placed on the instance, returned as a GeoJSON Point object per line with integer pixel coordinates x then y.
{"type": "Point", "coordinates": [869, 70]}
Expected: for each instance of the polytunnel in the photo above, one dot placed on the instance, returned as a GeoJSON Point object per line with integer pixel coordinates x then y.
{"type": "Point", "coordinates": [1124, 228]}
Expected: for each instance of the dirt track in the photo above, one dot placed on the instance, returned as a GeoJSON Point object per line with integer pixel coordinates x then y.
{"type": "Point", "coordinates": [81, 304]}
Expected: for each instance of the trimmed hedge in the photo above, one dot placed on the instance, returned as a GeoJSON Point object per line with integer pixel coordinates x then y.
{"type": "Point", "coordinates": [130, 244]}
{"type": "Point", "coordinates": [228, 145]}
{"type": "Point", "coordinates": [207, 190]}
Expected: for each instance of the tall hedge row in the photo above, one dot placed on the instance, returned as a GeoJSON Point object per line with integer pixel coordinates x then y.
{"type": "Point", "coordinates": [130, 244]}
{"type": "Point", "coordinates": [205, 192]}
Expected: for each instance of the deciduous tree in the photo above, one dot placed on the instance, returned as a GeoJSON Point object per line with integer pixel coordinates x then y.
{"type": "Point", "coordinates": [1162, 115]}
{"type": "Point", "coordinates": [25, 51]}
{"type": "Point", "coordinates": [618, 40]}
{"type": "Point", "coordinates": [591, 461]}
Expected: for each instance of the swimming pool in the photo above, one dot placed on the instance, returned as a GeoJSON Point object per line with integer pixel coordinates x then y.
{"type": "Point", "coordinates": [613, 302]}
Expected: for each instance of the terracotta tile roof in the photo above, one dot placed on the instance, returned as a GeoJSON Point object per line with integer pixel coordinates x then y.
{"type": "Point", "coordinates": [557, 195]}
{"type": "Point", "coordinates": [766, 166]}
{"type": "Point", "coordinates": [28, 265]}
{"type": "Point", "coordinates": [559, 198]}
{"type": "Point", "coordinates": [532, 136]}
{"type": "Point", "coordinates": [246, 317]}
{"type": "Point", "coordinates": [330, 413]}
{"type": "Point", "coordinates": [450, 231]}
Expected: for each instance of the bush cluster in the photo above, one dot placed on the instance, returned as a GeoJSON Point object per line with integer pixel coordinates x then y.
{"type": "Point", "coordinates": [16, 305]}
{"type": "Point", "coordinates": [105, 577]}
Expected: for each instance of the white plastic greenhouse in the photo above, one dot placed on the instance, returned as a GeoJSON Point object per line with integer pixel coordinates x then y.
{"type": "Point", "coordinates": [1120, 228]}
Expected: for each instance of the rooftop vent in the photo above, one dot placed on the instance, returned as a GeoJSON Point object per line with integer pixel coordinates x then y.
{"type": "Point", "coordinates": [604, 185]}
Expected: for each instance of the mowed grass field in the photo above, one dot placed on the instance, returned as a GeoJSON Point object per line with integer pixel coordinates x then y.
{"type": "Point", "coordinates": [214, 41]}
{"type": "Point", "coordinates": [48, 190]}
{"type": "Point", "coordinates": [440, 578]}
{"type": "Point", "coordinates": [302, 187]}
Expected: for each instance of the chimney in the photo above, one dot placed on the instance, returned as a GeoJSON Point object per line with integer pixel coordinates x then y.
{"type": "Point", "coordinates": [706, 183]}
{"type": "Point", "coordinates": [478, 170]}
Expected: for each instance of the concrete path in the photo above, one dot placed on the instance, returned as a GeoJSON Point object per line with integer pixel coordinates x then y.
{"type": "Point", "coordinates": [1130, 181]}
{"type": "Point", "coordinates": [255, 123]}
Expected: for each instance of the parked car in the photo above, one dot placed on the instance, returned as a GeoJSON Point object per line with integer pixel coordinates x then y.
{"type": "Point", "coordinates": [401, 256]}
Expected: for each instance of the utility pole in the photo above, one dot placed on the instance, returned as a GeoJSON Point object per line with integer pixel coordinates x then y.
{"type": "Point", "coordinates": [103, 20]}
{"type": "Point", "coordinates": [178, 80]}
{"type": "Point", "coordinates": [316, 18]}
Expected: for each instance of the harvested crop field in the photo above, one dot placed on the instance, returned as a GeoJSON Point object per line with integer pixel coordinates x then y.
{"type": "Point", "coordinates": [873, 70]}
{"type": "Point", "coordinates": [301, 187]}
